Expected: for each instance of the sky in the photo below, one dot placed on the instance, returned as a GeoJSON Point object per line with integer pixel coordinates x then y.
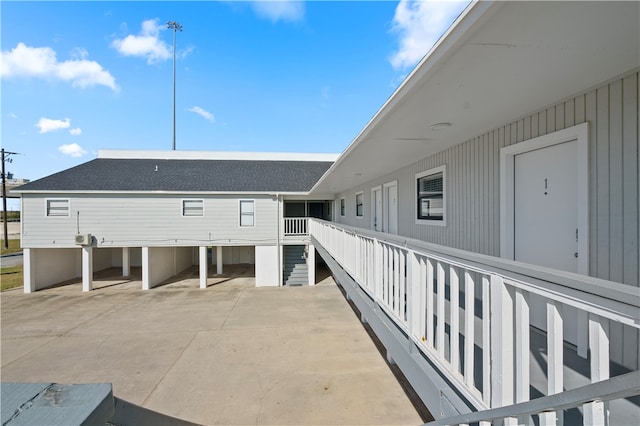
{"type": "Point", "coordinates": [275, 76]}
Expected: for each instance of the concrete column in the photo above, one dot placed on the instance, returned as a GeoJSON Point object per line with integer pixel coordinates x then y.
{"type": "Point", "coordinates": [203, 267]}
{"type": "Point", "coordinates": [219, 260]}
{"type": "Point", "coordinates": [145, 268]}
{"type": "Point", "coordinates": [311, 264]}
{"type": "Point", "coordinates": [29, 276]}
{"type": "Point", "coordinates": [126, 262]}
{"type": "Point", "coordinates": [87, 268]}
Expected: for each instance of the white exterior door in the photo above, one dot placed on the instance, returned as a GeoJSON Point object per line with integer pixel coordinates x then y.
{"type": "Point", "coordinates": [376, 209]}
{"type": "Point", "coordinates": [391, 208]}
{"type": "Point", "coordinates": [546, 206]}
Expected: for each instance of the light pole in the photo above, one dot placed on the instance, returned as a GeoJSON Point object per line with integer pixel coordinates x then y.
{"type": "Point", "coordinates": [173, 25]}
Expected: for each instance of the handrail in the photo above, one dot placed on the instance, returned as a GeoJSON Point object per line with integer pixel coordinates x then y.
{"type": "Point", "coordinates": [627, 294]}
{"type": "Point", "coordinates": [617, 387]}
{"type": "Point", "coordinates": [418, 285]}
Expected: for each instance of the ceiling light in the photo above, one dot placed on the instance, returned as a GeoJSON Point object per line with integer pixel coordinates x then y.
{"type": "Point", "coordinates": [439, 126]}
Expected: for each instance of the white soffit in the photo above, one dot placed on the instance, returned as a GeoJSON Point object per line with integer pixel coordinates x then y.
{"type": "Point", "coordinates": [498, 63]}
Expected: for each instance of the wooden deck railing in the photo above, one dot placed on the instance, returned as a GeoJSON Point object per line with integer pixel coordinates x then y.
{"type": "Point", "coordinates": [451, 302]}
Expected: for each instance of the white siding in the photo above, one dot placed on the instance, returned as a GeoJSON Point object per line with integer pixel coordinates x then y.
{"type": "Point", "coordinates": [147, 220]}
{"type": "Point", "coordinates": [473, 174]}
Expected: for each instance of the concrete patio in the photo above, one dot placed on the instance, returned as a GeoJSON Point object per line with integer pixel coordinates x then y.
{"type": "Point", "coordinates": [228, 354]}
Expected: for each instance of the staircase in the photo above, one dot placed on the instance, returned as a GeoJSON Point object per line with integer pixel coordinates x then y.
{"type": "Point", "coordinates": [295, 271]}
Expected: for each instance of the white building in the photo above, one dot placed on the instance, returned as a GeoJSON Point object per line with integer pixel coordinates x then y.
{"type": "Point", "coordinates": [502, 178]}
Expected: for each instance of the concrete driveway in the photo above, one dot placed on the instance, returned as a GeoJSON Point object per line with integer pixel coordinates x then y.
{"type": "Point", "coordinates": [228, 354]}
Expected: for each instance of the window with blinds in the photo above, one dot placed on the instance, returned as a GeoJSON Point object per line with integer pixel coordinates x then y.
{"type": "Point", "coordinates": [342, 207]}
{"type": "Point", "coordinates": [192, 207]}
{"type": "Point", "coordinates": [247, 213]}
{"type": "Point", "coordinates": [57, 207]}
{"type": "Point", "coordinates": [431, 195]}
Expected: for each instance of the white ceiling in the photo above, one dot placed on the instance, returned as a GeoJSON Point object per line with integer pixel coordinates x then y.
{"type": "Point", "coordinates": [498, 62]}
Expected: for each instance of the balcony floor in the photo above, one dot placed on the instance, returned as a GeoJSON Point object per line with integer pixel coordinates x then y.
{"type": "Point", "coordinates": [228, 354]}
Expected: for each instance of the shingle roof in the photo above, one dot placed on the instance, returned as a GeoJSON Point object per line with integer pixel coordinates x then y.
{"type": "Point", "coordinates": [108, 174]}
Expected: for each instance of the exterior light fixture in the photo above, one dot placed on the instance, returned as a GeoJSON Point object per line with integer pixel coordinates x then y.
{"type": "Point", "coordinates": [439, 126]}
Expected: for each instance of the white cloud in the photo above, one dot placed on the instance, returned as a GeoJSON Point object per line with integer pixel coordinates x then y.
{"type": "Point", "coordinates": [201, 112]}
{"type": "Point", "coordinates": [75, 132]}
{"type": "Point", "coordinates": [47, 125]}
{"type": "Point", "coordinates": [12, 115]}
{"type": "Point", "coordinates": [41, 62]}
{"type": "Point", "coordinates": [146, 45]}
{"type": "Point", "coordinates": [420, 24]}
{"type": "Point", "coordinates": [72, 150]}
{"type": "Point", "coordinates": [279, 10]}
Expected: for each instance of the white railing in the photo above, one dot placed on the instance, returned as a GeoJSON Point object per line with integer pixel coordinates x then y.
{"type": "Point", "coordinates": [418, 283]}
{"type": "Point", "coordinates": [295, 226]}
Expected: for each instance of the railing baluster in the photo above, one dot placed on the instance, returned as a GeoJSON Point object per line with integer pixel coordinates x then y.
{"type": "Point", "coordinates": [486, 341]}
{"type": "Point", "coordinates": [594, 412]}
{"type": "Point", "coordinates": [403, 286]}
{"type": "Point", "coordinates": [454, 321]}
{"type": "Point", "coordinates": [555, 360]}
{"type": "Point", "coordinates": [522, 346]}
{"type": "Point", "coordinates": [440, 309]}
{"type": "Point", "coordinates": [396, 282]}
{"type": "Point", "coordinates": [469, 329]}
{"type": "Point", "coordinates": [430, 313]}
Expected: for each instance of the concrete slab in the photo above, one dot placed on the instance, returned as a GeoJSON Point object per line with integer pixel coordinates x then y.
{"type": "Point", "coordinates": [227, 354]}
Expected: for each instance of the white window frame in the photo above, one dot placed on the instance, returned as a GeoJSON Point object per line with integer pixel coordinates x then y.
{"type": "Point", "coordinates": [191, 199]}
{"type": "Point", "coordinates": [253, 203]}
{"type": "Point", "coordinates": [46, 207]}
{"type": "Point", "coordinates": [343, 207]}
{"type": "Point", "coordinates": [440, 169]}
{"type": "Point", "coordinates": [361, 215]}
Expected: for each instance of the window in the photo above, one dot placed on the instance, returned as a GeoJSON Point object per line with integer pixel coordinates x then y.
{"type": "Point", "coordinates": [192, 207]}
{"type": "Point", "coordinates": [430, 187]}
{"type": "Point", "coordinates": [359, 204]}
{"type": "Point", "coordinates": [341, 206]}
{"type": "Point", "coordinates": [58, 207]}
{"type": "Point", "coordinates": [246, 213]}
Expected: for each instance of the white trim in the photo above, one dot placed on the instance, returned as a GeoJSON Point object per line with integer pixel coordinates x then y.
{"type": "Point", "coordinates": [216, 155]}
{"type": "Point", "coordinates": [240, 225]}
{"type": "Point", "coordinates": [356, 212]}
{"type": "Point", "coordinates": [46, 207]}
{"type": "Point", "coordinates": [191, 199]}
{"type": "Point", "coordinates": [440, 169]}
{"type": "Point", "coordinates": [373, 206]}
{"type": "Point", "coordinates": [579, 133]}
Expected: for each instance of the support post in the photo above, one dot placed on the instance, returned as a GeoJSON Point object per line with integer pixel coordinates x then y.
{"type": "Point", "coordinates": [203, 266]}
{"type": "Point", "coordinates": [596, 413]}
{"type": "Point", "coordinates": [145, 268]}
{"type": "Point", "coordinates": [311, 264]}
{"type": "Point", "coordinates": [29, 276]}
{"type": "Point", "coordinates": [219, 260]}
{"type": "Point", "coordinates": [126, 262]}
{"type": "Point", "coordinates": [87, 268]}
{"type": "Point", "coordinates": [501, 343]}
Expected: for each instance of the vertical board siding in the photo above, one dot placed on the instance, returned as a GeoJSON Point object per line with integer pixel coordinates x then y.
{"type": "Point", "coordinates": [473, 179]}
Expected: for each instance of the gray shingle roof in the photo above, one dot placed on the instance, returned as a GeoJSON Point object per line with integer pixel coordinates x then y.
{"type": "Point", "coordinates": [108, 174]}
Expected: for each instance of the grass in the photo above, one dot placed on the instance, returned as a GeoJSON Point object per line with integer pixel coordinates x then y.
{"type": "Point", "coordinates": [14, 247]}
{"type": "Point", "coordinates": [10, 277]}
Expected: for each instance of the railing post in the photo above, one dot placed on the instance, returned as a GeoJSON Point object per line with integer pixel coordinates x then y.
{"type": "Point", "coordinates": [501, 344]}
{"type": "Point", "coordinates": [414, 294]}
{"type": "Point", "coordinates": [377, 270]}
{"type": "Point", "coordinates": [454, 320]}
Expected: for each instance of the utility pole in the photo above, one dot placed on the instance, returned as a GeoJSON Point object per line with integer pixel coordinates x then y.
{"type": "Point", "coordinates": [173, 25]}
{"type": "Point", "coordinates": [5, 157]}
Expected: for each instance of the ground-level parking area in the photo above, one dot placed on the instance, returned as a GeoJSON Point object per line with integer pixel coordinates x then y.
{"type": "Point", "coordinates": [228, 354]}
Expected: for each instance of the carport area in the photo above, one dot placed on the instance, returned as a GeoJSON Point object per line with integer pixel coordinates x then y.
{"type": "Point", "coordinates": [233, 354]}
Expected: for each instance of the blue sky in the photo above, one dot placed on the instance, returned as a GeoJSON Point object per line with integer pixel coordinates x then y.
{"type": "Point", "coordinates": [251, 76]}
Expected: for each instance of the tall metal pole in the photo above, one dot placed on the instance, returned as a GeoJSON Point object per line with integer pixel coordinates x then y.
{"type": "Point", "coordinates": [175, 27]}
{"type": "Point", "coordinates": [4, 204]}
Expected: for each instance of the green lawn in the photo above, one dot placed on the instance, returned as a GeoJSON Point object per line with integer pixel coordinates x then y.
{"type": "Point", "coordinates": [14, 246]}
{"type": "Point", "coordinates": [10, 277]}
